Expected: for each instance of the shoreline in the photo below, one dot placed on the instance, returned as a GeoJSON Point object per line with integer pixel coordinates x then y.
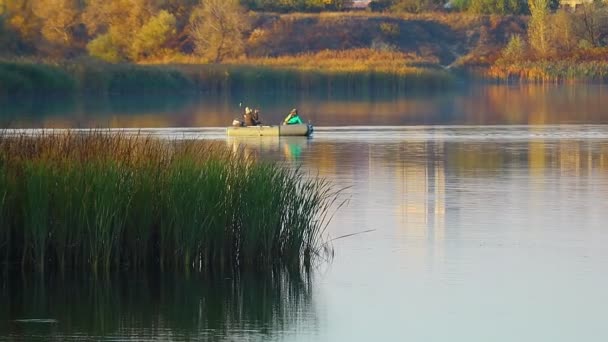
{"type": "Point", "coordinates": [19, 79]}
{"type": "Point", "coordinates": [27, 78]}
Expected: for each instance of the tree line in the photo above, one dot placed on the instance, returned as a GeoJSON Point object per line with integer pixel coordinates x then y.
{"type": "Point", "coordinates": [561, 34]}
{"type": "Point", "coordinates": [213, 30]}
{"type": "Point", "coordinates": [122, 30]}
{"type": "Point", "coordinates": [501, 7]}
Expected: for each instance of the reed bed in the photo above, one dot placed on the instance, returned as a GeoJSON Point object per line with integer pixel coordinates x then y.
{"type": "Point", "coordinates": [380, 72]}
{"type": "Point", "coordinates": [30, 78]}
{"type": "Point", "coordinates": [104, 201]}
{"type": "Point", "coordinates": [550, 71]}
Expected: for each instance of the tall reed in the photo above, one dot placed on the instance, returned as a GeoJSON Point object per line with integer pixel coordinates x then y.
{"type": "Point", "coordinates": [550, 71]}
{"type": "Point", "coordinates": [108, 201]}
{"type": "Point", "coordinates": [380, 75]}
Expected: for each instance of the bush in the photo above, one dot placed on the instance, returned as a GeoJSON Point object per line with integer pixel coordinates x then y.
{"type": "Point", "coordinates": [515, 50]}
{"type": "Point", "coordinates": [104, 48]}
{"type": "Point", "coordinates": [416, 6]}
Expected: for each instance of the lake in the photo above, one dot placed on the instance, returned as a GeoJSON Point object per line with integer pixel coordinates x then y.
{"type": "Point", "coordinates": [477, 214]}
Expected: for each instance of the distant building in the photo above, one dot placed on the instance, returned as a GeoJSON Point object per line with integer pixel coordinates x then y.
{"type": "Point", "coordinates": [573, 3]}
{"type": "Point", "coordinates": [359, 4]}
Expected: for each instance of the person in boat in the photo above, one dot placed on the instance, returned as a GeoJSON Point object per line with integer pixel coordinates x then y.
{"type": "Point", "coordinates": [293, 118]}
{"type": "Point", "coordinates": [248, 117]}
{"type": "Point", "coordinates": [256, 117]}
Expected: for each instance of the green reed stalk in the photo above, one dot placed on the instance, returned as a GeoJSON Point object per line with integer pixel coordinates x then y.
{"type": "Point", "coordinates": [5, 232]}
{"type": "Point", "coordinates": [39, 179]}
{"type": "Point", "coordinates": [101, 201]}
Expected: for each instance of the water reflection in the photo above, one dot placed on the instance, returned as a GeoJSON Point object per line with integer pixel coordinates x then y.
{"type": "Point", "coordinates": [285, 148]}
{"type": "Point", "coordinates": [175, 307]}
{"type": "Point", "coordinates": [471, 105]}
{"type": "Point", "coordinates": [499, 225]}
{"type": "Point", "coordinates": [509, 232]}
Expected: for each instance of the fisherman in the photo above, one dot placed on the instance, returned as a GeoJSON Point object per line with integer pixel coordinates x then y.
{"type": "Point", "coordinates": [292, 118]}
{"type": "Point", "coordinates": [256, 117]}
{"type": "Point", "coordinates": [248, 117]}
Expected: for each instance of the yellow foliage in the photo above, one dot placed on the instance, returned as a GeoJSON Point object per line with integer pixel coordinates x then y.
{"type": "Point", "coordinates": [343, 61]}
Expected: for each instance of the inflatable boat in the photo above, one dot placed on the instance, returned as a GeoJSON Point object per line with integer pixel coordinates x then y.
{"type": "Point", "coordinates": [273, 131]}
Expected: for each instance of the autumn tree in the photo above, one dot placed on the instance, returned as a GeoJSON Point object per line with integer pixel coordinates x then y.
{"type": "Point", "coordinates": [217, 28]}
{"type": "Point", "coordinates": [515, 51]}
{"type": "Point", "coordinates": [58, 18]}
{"type": "Point", "coordinates": [130, 29]}
{"type": "Point", "coordinates": [153, 35]}
{"type": "Point", "coordinates": [563, 34]}
{"type": "Point", "coordinates": [114, 24]}
{"type": "Point", "coordinates": [18, 17]}
{"type": "Point", "coordinates": [538, 28]}
{"type": "Point", "coordinates": [4, 35]}
{"type": "Point", "coordinates": [592, 22]}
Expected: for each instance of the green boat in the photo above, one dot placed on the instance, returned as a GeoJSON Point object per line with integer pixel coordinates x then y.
{"type": "Point", "coordinates": [272, 131]}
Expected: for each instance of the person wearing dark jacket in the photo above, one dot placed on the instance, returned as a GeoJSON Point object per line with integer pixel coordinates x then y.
{"type": "Point", "coordinates": [248, 117]}
{"type": "Point", "coordinates": [256, 117]}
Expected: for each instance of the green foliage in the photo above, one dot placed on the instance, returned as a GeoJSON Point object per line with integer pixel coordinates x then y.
{"type": "Point", "coordinates": [416, 6]}
{"type": "Point", "coordinates": [554, 5]}
{"type": "Point", "coordinates": [100, 78]}
{"type": "Point", "coordinates": [539, 27]}
{"type": "Point", "coordinates": [515, 51]}
{"type": "Point", "coordinates": [381, 5]}
{"type": "Point", "coordinates": [98, 201]}
{"type": "Point", "coordinates": [285, 6]}
{"type": "Point", "coordinates": [461, 5]}
{"type": "Point", "coordinates": [26, 78]}
{"type": "Point", "coordinates": [153, 35]}
{"type": "Point", "coordinates": [390, 30]}
{"type": "Point", "coordinates": [105, 48]}
{"type": "Point", "coordinates": [502, 7]}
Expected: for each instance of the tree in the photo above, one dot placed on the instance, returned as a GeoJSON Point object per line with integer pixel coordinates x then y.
{"type": "Point", "coordinates": [538, 28]}
{"type": "Point", "coordinates": [20, 18]}
{"type": "Point", "coordinates": [58, 18]}
{"type": "Point", "coordinates": [515, 51]}
{"type": "Point", "coordinates": [217, 28]}
{"type": "Point", "coordinates": [416, 6]}
{"type": "Point", "coordinates": [380, 5]}
{"type": "Point", "coordinates": [129, 29]}
{"type": "Point", "coordinates": [563, 35]}
{"type": "Point", "coordinates": [592, 22]}
{"type": "Point", "coordinates": [496, 6]}
{"type": "Point", "coordinates": [153, 35]}
{"type": "Point", "coordinates": [554, 5]}
{"type": "Point", "coordinates": [104, 47]}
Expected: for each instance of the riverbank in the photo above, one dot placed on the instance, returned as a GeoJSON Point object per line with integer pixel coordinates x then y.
{"type": "Point", "coordinates": [102, 202]}
{"type": "Point", "coordinates": [389, 72]}
{"type": "Point", "coordinates": [550, 71]}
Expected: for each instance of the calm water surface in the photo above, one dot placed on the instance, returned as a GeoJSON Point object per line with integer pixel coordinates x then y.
{"type": "Point", "coordinates": [485, 218]}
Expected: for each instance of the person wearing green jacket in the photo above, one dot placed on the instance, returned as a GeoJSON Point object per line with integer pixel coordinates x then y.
{"type": "Point", "coordinates": [293, 118]}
